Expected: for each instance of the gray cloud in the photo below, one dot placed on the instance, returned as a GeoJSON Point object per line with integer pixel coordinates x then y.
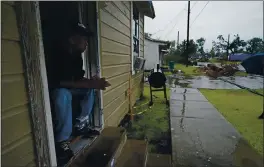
{"type": "Point", "coordinates": [219, 17]}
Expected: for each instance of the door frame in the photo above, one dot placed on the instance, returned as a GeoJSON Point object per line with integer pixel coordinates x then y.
{"type": "Point", "coordinates": [29, 22]}
{"type": "Point", "coordinates": [98, 106]}
{"type": "Point", "coordinates": [99, 63]}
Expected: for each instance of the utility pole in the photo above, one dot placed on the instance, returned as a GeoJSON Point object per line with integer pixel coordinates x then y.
{"type": "Point", "coordinates": [227, 49]}
{"type": "Point", "coordinates": [178, 39]}
{"type": "Point", "coordinates": [188, 25]}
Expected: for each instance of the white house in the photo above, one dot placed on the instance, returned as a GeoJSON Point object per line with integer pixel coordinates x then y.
{"type": "Point", "coordinates": [154, 51]}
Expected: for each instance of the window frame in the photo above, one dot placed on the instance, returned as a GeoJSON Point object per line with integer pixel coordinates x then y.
{"type": "Point", "coordinates": [135, 36]}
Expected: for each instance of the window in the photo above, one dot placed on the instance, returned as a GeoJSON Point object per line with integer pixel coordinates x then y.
{"type": "Point", "coordinates": [135, 29]}
{"type": "Point", "coordinates": [135, 34]}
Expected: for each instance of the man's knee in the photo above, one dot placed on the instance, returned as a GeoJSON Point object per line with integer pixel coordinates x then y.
{"type": "Point", "coordinates": [62, 95]}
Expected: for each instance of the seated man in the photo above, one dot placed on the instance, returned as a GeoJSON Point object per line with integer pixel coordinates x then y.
{"type": "Point", "coordinates": [67, 80]}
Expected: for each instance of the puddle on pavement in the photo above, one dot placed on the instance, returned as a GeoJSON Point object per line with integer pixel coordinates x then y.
{"type": "Point", "coordinates": [251, 82]}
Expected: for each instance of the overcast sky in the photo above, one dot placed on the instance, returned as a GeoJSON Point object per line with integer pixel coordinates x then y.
{"type": "Point", "coordinates": [218, 17]}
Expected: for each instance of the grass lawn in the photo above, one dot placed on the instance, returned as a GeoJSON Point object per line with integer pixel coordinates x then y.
{"type": "Point", "coordinates": [188, 71]}
{"type": "Point", "coordinates": [241, 74]}
{"type": "Point", "coordinates": [241, 108]}
{"type": "Point", "coordinates": [259, 91]}
{"type": "Point", "coordinates": [152, 123]}
{"type": "Point", "coordinates": [214, 60]}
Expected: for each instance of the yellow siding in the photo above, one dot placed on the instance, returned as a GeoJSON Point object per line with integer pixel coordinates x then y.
{"type": "Point", "coordinates": [136, 79]}
{"type": "Point", "coordinates": [17, 139]}
{"type": "Point", "coordinates": [116, 58]}
{"type": "Point", "coordinates": [115, 39]}
{"type": "Point", "coordinates": [136, 87]}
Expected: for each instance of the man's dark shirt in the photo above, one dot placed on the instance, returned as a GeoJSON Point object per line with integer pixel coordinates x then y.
{"type": "Point", "coordinates": [64, 66]}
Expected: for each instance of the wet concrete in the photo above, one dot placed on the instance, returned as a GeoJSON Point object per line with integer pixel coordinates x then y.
{"type": "Point", "coordinates": [202, 137]}
{"type": "Point", "coordinates": [251, 82]}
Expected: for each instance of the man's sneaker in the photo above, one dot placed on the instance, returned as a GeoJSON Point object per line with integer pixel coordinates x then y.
{"type": "Point", "coordinates": [86, 132]}
{"type": "Point", "coordinates": [64, 153]}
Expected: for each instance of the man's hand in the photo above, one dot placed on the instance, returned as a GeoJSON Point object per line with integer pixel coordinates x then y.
{"type": "Point", "coordinates": [95, 83]}
{"type": "Point", "coordinates": [101, 83]}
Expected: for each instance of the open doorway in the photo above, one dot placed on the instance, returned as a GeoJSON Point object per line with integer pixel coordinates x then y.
{"type": "Point", "coordinates": [56, 17]}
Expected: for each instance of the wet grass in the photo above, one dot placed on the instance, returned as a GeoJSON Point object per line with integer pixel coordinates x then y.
{"type": "Point", "coordinates": [241, 108]}
{"type": "Point", "coordinates": [259, 91]}
{"type": "Point", "coordinates": [241, 74]}
{"type": "Point", "coordinates": [214, 60]}
{"type": "Point", "coordinates": [152, 123]}
{"type": "Point", "coordinates": [188, 71]}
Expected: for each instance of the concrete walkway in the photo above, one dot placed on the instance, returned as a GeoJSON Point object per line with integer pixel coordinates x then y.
{"type": "Point", "coordinates": [201, 136]}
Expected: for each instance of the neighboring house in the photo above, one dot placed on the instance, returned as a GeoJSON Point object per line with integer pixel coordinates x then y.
{"type": "Point", "coordinates": [238, 56]}
{"type": "Point", "coordinates": [154, 51]}
{"type": "Point", "coordinates": [27, 133]}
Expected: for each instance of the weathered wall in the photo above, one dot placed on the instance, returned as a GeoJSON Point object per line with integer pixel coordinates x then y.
{"type": "Point", "coordinates": [136, 85]}
{"type": "Point", "coordinates": [17, 139]}
{"type": "Point", "coordinates": [115, 58]}
{"type": "Point", "coordinates": [115, 29]}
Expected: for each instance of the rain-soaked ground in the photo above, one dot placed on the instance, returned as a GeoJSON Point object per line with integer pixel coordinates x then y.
{"type": "Point", "coordinates": [201, 137]}
{"type": "Point", "coordinates": [251, 82]}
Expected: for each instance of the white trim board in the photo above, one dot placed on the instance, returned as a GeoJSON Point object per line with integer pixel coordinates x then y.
{"type": "Point", "coordinates": [99, 68]}
{"type": "Point", "coordinates": [131, 34]}
{"type": "Point", "coordinates": [28, 16]}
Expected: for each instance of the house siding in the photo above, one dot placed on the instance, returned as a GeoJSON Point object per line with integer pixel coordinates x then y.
{"type": "Point", "coordinates": [115, 58]}
{"type": "Point", "coordinates": [115, 30]}
{"type": "Point", "coordinates": [17, 138]}
{"type": "Point", "coordinates": [137, 85]}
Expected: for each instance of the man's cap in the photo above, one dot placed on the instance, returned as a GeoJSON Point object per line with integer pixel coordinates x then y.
{"type": "Point", "coordinates": [80, 29]}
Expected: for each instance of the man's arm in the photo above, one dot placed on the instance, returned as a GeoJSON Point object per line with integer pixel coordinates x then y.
{"type": "Point", "coordinates": [90, 84]}
{"type": "Point", "coordinates": [86, 83]}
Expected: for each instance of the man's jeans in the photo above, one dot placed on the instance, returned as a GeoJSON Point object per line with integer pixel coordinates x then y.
{"type": "Point", "coordinates": [62, 99]}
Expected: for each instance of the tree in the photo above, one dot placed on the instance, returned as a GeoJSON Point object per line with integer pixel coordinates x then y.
{"type": "Point", "coordinates": [200, 44]}
{"type": "Point", "coordinates": [212, 52]}
{"type": "Point", "coordinates": [178, 53]}
{"type": "Point", "coordinates": [255, 45]}
{"type": "Point", "coordinates": [237, 45]}
{"type": "Point", "coordinates": [216, 47]}
{"type": "Point", "coordinates": [221, 45]}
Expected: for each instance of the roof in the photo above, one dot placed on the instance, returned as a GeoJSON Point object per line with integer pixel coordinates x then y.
{"type": "Point", "coordinates": [157, 40]}
{"type": "Point", "coordinates": [239, 56]}
{"type": "Point", "coordinates": [146, 7]}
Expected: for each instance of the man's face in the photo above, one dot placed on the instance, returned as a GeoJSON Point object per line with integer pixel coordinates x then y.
{"type": "Point", "coordinates": [78, 43]}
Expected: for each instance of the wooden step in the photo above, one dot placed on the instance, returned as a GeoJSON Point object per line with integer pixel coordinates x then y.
{"type": "Point", "coordinates": [134, 154]}
{"type": "Point", "coordinates": [103, 151]}
{"type": "Point", "coordinates": [159, 160]}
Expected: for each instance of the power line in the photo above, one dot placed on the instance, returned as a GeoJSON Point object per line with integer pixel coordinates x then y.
{"type": "Point", "coordinates": [176, 22]}
{"type": "Point", "coordinates": [166, 26]}
{"type": "Point", "coordinates": [194, 5]}
{"type": "Point", "coordinates": [200, 12]}
{"type": "Point", "coordinates": [173, 25]}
